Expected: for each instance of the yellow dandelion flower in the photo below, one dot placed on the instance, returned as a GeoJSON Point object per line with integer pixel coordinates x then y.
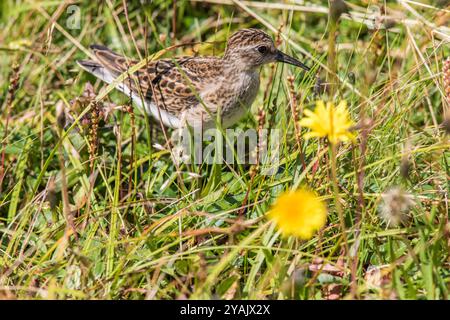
{"type": "Point", "coordinates": [329, 121]}
{"type": "Point", "coordinates": [299, 213]}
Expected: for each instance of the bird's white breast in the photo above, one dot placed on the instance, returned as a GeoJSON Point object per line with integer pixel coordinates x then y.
{"type": "Point", "coordinates": [245, 88]}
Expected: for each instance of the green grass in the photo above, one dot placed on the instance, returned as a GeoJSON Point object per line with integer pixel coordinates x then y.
{"type": "Point", "coordinates": [145, 229]}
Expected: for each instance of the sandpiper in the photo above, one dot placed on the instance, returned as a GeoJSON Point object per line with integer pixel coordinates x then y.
{"type": "Point", "coordinates": [193, 90]}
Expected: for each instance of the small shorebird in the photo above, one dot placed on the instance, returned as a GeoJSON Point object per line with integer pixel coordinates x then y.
{"type": "Point", "coordinates": [193, 90]}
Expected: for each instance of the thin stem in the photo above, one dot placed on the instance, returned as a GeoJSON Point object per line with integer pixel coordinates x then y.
{"type": "Point", "coordinates": [331, 59]}
{"type": "Point", "coordinates": [336, 187]}
{"type": "Point", "coordinates": [337, 199]}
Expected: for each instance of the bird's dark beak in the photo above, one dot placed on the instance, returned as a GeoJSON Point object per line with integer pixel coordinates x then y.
{"type": "Point", "coordinates": [283, 57]}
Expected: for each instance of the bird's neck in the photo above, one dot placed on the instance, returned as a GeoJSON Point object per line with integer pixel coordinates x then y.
{"type": "Point", "coordinates": [234, 65]}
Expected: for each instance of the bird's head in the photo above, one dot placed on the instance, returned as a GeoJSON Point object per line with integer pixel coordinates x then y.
{"type": "Point", "coordinates": [251, 48]}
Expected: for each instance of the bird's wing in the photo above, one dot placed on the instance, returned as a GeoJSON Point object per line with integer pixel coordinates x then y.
{"type": "Point", "coordinates": [172, 84]}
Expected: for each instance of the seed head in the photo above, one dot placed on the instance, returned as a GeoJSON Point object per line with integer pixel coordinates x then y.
{"type": "Point", "coordinates": [446, 72]}
{"type": "Point", "coordinates": [395, 206]}
{"type": "Point", "coordinates": [446, 78]}
{"type": "Point", "coordinates": [60, 114]}
{"type": "Point", "coordinates": [337, 8]}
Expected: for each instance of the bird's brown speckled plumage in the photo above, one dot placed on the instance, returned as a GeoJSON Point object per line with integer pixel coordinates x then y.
{"type": "Point", "coordinates": [193, 89]}
{"type": "Point", "coordinates": [246, 37]}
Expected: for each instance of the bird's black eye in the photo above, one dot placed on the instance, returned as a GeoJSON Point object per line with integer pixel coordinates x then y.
{"type": "Point", "coordinates": [262, 49]}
